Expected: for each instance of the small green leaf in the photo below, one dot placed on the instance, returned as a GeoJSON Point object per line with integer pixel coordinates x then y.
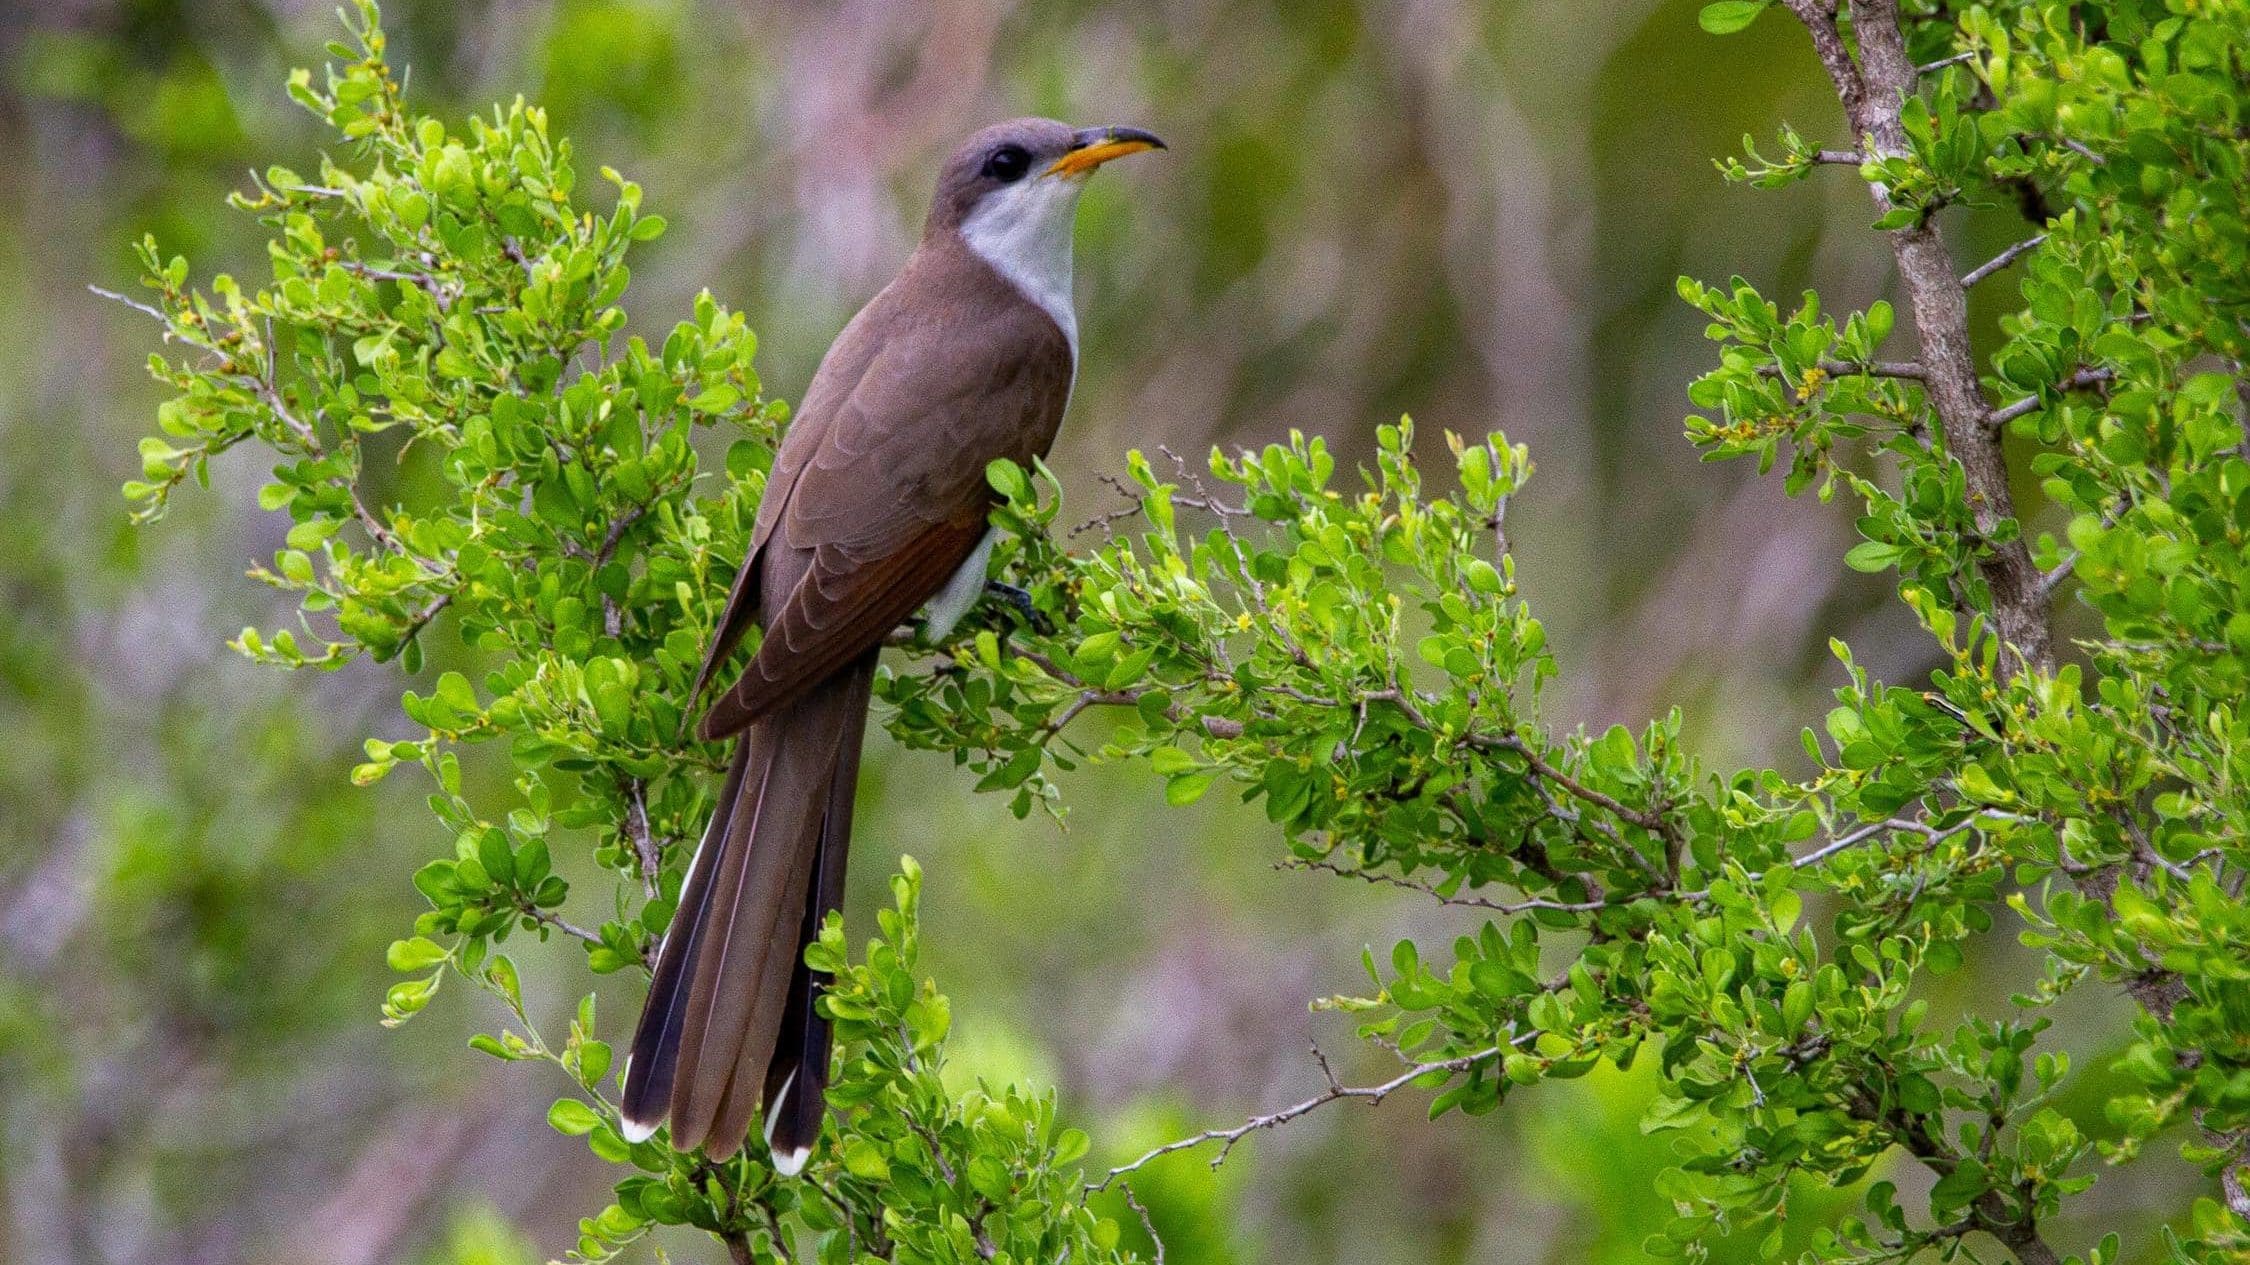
{"type": "Point", "coordinates": [1725, 17]}
{"type": "Point", "coordinates": [863, 1160]}
{"type": "Point", "coordinates": [417, 954]}
{"type": "Point", "coordinates": [572, 1117]}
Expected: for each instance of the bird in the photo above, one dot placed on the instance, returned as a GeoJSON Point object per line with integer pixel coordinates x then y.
{"type": "Point", "coordinates": [877, 507]}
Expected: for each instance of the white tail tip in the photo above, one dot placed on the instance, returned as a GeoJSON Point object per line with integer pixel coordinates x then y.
{"type": "Point", "coordinates": [791, 1163]}
{"type": "Point", "coordinates": [637, 1130]}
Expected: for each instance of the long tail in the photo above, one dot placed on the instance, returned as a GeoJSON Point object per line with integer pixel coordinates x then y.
{"type": "Point", "coordinates": [729, 1019]}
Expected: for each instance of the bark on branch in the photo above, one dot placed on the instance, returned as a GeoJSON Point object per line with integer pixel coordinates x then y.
{"type": "Point", "coordinates": [1873, 90]}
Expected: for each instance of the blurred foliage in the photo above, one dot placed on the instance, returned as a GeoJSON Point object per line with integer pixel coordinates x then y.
{"type": "Point", "coordinates": [1333, 123]}
{"type": "Point", "coordinates": [445, 285]}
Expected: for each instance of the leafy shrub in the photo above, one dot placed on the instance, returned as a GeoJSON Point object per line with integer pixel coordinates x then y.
{"type": "Point", "coordinates": [1355, 655]}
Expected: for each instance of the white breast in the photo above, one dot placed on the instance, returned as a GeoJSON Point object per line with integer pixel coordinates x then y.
{"type": "Point", "coordinates": [1023, 230]}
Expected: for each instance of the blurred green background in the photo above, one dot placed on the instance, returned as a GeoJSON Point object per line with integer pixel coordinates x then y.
{"type": "Point", "coordinates": [1473, 211]}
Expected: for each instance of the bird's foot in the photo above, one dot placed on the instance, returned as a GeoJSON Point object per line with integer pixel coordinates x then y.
{"type": "Point", "coordinates": [1020, 598]}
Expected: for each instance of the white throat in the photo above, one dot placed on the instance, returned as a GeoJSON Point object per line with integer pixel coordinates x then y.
{"type": "Point", "coordinates": [1023, 230]}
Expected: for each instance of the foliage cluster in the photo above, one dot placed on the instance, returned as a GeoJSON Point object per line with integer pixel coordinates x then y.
{"type": "Point", "coordinates": [1357, 659]}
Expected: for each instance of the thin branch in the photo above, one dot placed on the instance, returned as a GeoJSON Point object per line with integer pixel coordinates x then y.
{"type": "Point", "coordinates": [617, 528]}
{"type": "Point", "coordinates": [1655, 823]}
{"type": "Point", "coordinates": [2002, 260]}
{"type": "Point", "coordinates": [556, 921]}
{"type": "Point", "coordinates": [1477, 902]}
{"type": "Point", "coordinates": [440, 293]}
{"type": "Point", "coordinates": [1212, 726]}
{"type": "Point", "coordinates": [1853, 838]}
{"type": "Point", "coordinates": [135, 304]}
{"type": "Point", "coordinates": [375, 529]}
{"type": "Point", "coordinates": [645, 851]}
{"type": "Point", "coordinates": [985, 1247]}
{"type": "Point", "coordinates": [1336, 1092]}
{"type": "Point", "coordinates": [2078, 381]}
{"type": "Point", "coordinates": [1849, 369]}
{"type": "Point", "coordinates": [1148, 1223]}
{"type": "Point", "coordinates": [1838, 157]}
{"type": "Point", "coordinates": [423, 617]}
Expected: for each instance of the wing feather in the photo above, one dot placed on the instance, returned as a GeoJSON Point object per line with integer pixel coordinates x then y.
{"type": "Point", "coordinates": [879, 495]}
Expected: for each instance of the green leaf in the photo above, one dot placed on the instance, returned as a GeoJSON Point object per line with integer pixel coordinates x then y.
{"type": "Point", "coordinates": [1872, 556]}
{"type": "Point", "coordinates": [417, 954]}
{"type": "Point", "coordinates": [1167, 761]}
{"type": "Point", "coordinates": [865, 1161]}
{"type": "Point", "coordinates": [1188, 788]}
{"type": "Point", "coordinates": [572, 1117]}
{"type": "Point", "coordinates": [1725, 17]}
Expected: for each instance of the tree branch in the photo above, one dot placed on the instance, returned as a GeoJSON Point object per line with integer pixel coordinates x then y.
{"type": "Point", "coordinates": [1474, 902]}
{"type": "Point", "coordinates": [645, 852]}
{"type": "Point", "coordinates": [2077, 381]}
{"type": "Point", "coordinates": [1873, 92]}
{"type": "Point", "coordinates": [2002, 260]}
{"type": "Point", "coordinates": [1871, 368]}
{"type": "Point", "coordinates": [1336, 1092]}
{"type": "Point", "coordinates": [1148, 1223]}
{"type": "Point", "coordinates": [1820, 23]}
{"type": "Point", "coordinates": [423, 617]}
{"type": "Point", "coordinates": [556, 921]}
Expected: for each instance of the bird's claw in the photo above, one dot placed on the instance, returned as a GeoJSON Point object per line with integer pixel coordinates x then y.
{"type": "Point", "coordinates": [1020, 598]}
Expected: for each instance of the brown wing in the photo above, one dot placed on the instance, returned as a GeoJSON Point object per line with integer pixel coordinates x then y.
{"type": "Point", "coordinates": [879, 494]}
{"type": "Point", "coordinates": [840, 372]}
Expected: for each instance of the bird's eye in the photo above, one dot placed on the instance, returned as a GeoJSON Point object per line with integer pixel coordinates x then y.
{"type": "Point", "coordinates": [1008, 164]}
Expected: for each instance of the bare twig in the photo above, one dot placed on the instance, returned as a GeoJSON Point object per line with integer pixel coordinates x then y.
{"type": "Point", "coordinates": [2002, 260]}
{"type": "Point", "coordinates": [645, 851]}
{"type": "Point", "coordinates": [439, 292]}
{"type": "Point", "coordinates": [1212, 726]}
{"type": "Point", "coordinates": [135, 304]}
{"type": "Point", "coordinates": [1849, 368]}
{"type": "Point", "coordinates": [375, 529]}
{"type": "Point", "coordinates": [546, 918]}
{"type": "Point", "coordinates": [1477, 902]}
{"type": "Point", "coordinates": [423, 617]}
{"type": "Point", "coordinates": [2077, 381]}
{"type": "Point", "coordinates": [1932, 836]}
{"type": "Point", "coordinates": [1148, 1223]}
{"type": "Point", "coordinates": [1336, 1092]}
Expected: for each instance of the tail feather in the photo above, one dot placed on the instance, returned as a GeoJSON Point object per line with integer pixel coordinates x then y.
{"type": "Point", "coordinates": [797, 1079]}
{"type": "Point", "coordinates": [770, 848]}
{"type": "Point", "coordinates": [729, 1007]}
{"type": "Point", "coordinates": [656, 1043]}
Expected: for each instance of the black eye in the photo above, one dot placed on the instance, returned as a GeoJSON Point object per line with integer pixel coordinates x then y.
{"type": "Point", "coordinates": [1008, 164]}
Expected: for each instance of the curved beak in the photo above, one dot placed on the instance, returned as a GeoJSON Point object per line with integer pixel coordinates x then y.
{"type": "Point", "coordinates": [1093, 146]}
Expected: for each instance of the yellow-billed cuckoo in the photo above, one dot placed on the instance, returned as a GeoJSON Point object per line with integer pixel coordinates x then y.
{"type": "Point", "coordinates": [876, 508]}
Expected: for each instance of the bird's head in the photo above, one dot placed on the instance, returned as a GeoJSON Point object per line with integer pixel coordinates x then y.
{"type": "Point", "coordinates": [1026, 172]}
